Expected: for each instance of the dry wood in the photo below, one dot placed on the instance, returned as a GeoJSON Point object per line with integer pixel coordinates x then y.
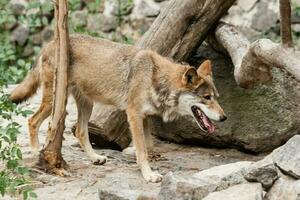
{"type": "Point", "coordinates": [183, 26]}
{"type": "Point", "coordinates": [253, 62]}
{"type": "Point", "coordinates": [177, 32]}
{"type": "Point", "coordinates": [285, 22]}
{"type": "Point", "coordinates": [51, 154]}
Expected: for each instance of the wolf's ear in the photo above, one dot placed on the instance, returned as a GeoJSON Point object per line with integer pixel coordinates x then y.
{"type": "Point", "coordinates": [205, 68]}
{"type": "Point", "coordinates": [190, 77]}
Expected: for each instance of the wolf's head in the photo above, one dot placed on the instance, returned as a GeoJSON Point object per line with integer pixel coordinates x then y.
{"type": "Point", "coordinates": [199, 97]}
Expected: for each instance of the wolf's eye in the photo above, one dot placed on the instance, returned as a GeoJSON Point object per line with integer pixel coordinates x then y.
{"type": "Point", "coordinates": [207, 97]}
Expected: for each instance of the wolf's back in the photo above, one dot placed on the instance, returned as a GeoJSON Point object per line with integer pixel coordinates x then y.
{"type": "Point", "coordinates": [28, 86]}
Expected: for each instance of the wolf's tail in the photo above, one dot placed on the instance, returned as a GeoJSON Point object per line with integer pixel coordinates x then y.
{"type": "Point", "coordinates": [29, 85]}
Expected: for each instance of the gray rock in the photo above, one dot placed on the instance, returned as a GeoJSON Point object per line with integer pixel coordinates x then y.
{"type": "Point", "coordinates": [263, 171]}
{"type": "Point", "coordinates": [160, 0]}
{"type": "Point", "coordinates": [47, 34]}
{"type": "Point", "coordinates": [296, 28]}
{"type": "Point", "coordinates": [287, 157]}
{"type": "Point", "coordinates": [78, 18]}
{"type": "Point", "coordinates": [18, 6]}
{"type": "Point", "coordinates": [224, 176]}
{"type": "Point", "coordinates": [145, 8]}
{"type": "Point", "coordinates": [250, 191]}
{"type": "Point", "coordinates": [180, 188]}
{"type": "Point", "coordinates": [36, 38]}
{"type": "Point", "coordinates": [100, 22]}
{"type": "Point", "coordinates": [111, 7]}
{"type": "Point", "coordinates": [285, 188]}
{"type": "Point", "coordinates": [258, 120]}
{"type": "Point", "coordinates": [201, 184]}
{"type": "Point", "coordinates": [20, 35]}
{"type": "Point", "coordinates": [28, 50]}
{"type": "Point", "coordinates": [264, 17]}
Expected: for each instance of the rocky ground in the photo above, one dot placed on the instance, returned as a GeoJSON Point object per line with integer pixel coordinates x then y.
{"type": "Point", "coordinates": [120, 176]}
{"type": "Point", "coordinates": [189, 172]}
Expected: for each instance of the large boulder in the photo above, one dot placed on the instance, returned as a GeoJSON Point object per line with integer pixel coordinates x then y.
{"type": "Point", "coordinates": [202, 183]}
{"type": "Point", "coordinates": [258, 120]}
{"type": "Point", "coordinates": [287, 157]}
{"type": "Point", "coordinates": [285, 188]}
{"type": "Point", "coordinates": [250, 191]}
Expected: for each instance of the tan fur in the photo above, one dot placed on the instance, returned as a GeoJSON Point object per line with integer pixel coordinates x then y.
{"type": "Point", "coordinates": [138, 81]}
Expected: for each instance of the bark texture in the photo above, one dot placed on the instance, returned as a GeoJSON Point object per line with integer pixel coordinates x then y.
{"type": "Point", "coordinates": [253, 62]}
{"type": "Point", "coordinates": [177, 32]}
{"type": "Point", "coordinates": [51, 154]}
{"type": "Point", "coordinates": [285, 22]}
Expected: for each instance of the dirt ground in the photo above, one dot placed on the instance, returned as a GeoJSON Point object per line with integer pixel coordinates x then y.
{"type": "Point", "coordinates": [120, 175]}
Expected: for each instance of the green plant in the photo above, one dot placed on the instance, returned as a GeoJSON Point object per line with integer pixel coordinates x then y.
{"type": "Point", "coordinates": [94, 6]}
{"type": "Point", "coordinates": [123, 8]}
{"type": "Point", "coordinates": [12, 173]}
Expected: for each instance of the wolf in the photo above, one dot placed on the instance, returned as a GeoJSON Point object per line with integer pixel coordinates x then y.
{"type": "Point", "coordinates": [140, 82]}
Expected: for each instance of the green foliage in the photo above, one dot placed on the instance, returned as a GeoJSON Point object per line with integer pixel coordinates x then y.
{"type": "Point", "coordinates": [123, 8]}
{"type": "Point", "coordinates": [94, 6]}
{"type": "Point", "coordinates": [12, 173]}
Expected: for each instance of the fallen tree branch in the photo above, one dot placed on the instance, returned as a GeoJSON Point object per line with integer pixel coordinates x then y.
{"type": "Point", "coordinates": [253, 62]}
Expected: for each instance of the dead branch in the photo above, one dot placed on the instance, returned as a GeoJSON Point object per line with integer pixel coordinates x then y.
{"type": "Point", "coordinates": [51, 154]}
{"type": "Point", "coordinates": [253, 62]}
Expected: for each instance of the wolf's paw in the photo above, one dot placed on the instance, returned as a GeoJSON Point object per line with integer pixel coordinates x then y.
{"type": "Point", "coordinates": [153, 177]}
{"type": "Point", "coordinates": [35, 149]}
{"type": "Point", "coordinates": [99, 160]}
{"type": "Point", "coordinates": [129, 151]}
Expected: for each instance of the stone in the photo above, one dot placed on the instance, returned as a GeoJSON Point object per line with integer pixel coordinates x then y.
{"type": "Point", "coordinates": [265, 17]}
{"type": "Point", "coordinates": [263, 171]}
{"type": "Point", "coordinates": [47, 34]}
{"type": "Point", "coordinates": [287, 157]}
{"type": "Point", "coordinates": [224, 176]}
{"type": "Point", "coordinates": [246, 5]}
{"type": "Point", "coordinates": [285, 188]}
{"type": "Point", "coordinates": [36, 38]}
{"type": "Point", "coordinates": [28, 50]}
{"type": "Point", "coordinates": [99, 22]}
{"type": "Point", "coordinates": [20, 35]}
{"type": "Point", "coordinates": [258, 120]}
{"type": "Point", "coordinates": [78, 18]}
{"type": "Point", "coordinates": [181, 188]}
{"type": "Point", "coordinates": [145, 8]}
{"type": "Point", "coordinates": [111, 7]}
{"type": "Point", "coordinates": [18, 6]}
{"type": "Point", "coordinates": [250, 191]}
{"type": "Point", "coordinates": [296, 28]}
{"type": "Point", "coordinates": [202, 183]}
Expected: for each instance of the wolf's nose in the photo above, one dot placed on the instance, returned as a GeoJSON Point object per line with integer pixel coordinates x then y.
{"type": "Point", "coordinates": [223, 118]}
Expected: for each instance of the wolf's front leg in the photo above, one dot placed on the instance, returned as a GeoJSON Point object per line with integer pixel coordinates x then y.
{"type": "Point", "coordinates": [136, 126]}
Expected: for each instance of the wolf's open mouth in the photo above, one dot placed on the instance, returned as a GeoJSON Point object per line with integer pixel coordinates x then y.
{"type": "Point", "coordinates": [202, 120]}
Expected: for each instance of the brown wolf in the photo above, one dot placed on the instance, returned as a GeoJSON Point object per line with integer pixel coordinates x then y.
{"type": "Point", "coordinates": [141, 82]}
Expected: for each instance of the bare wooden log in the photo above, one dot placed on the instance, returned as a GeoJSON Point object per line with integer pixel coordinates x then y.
{"type": "Point", "coordinates": [285, 23]}
{"type": "Point", "coordinates": [183, 26]}
{"type": "Point", "coordinates": [177, 32]}
{"type": "Point", "coordinates": [51, 154]}
{"type": "Point", "coordinates": [253, 62]}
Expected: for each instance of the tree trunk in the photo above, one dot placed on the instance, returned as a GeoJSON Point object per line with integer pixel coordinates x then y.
{"type": "Point", "coordinates": [51, 154]}
{"type": "Point", "coordinates": [285, 22]}
{"type": "Point", "coordinates": [177, 32]}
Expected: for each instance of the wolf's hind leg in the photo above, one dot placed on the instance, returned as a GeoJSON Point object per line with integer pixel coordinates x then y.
{"type": "Point", "coordinates": [39, 116]}
{"type": "Point", "coordinates": [84, 109]}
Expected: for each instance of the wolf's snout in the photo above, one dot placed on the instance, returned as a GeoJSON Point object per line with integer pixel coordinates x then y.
{"type": "Point", "coordinates": [223, 118]}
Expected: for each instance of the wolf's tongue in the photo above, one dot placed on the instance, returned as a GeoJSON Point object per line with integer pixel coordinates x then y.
{"type": "Point", "coordinates": [210, 127]}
